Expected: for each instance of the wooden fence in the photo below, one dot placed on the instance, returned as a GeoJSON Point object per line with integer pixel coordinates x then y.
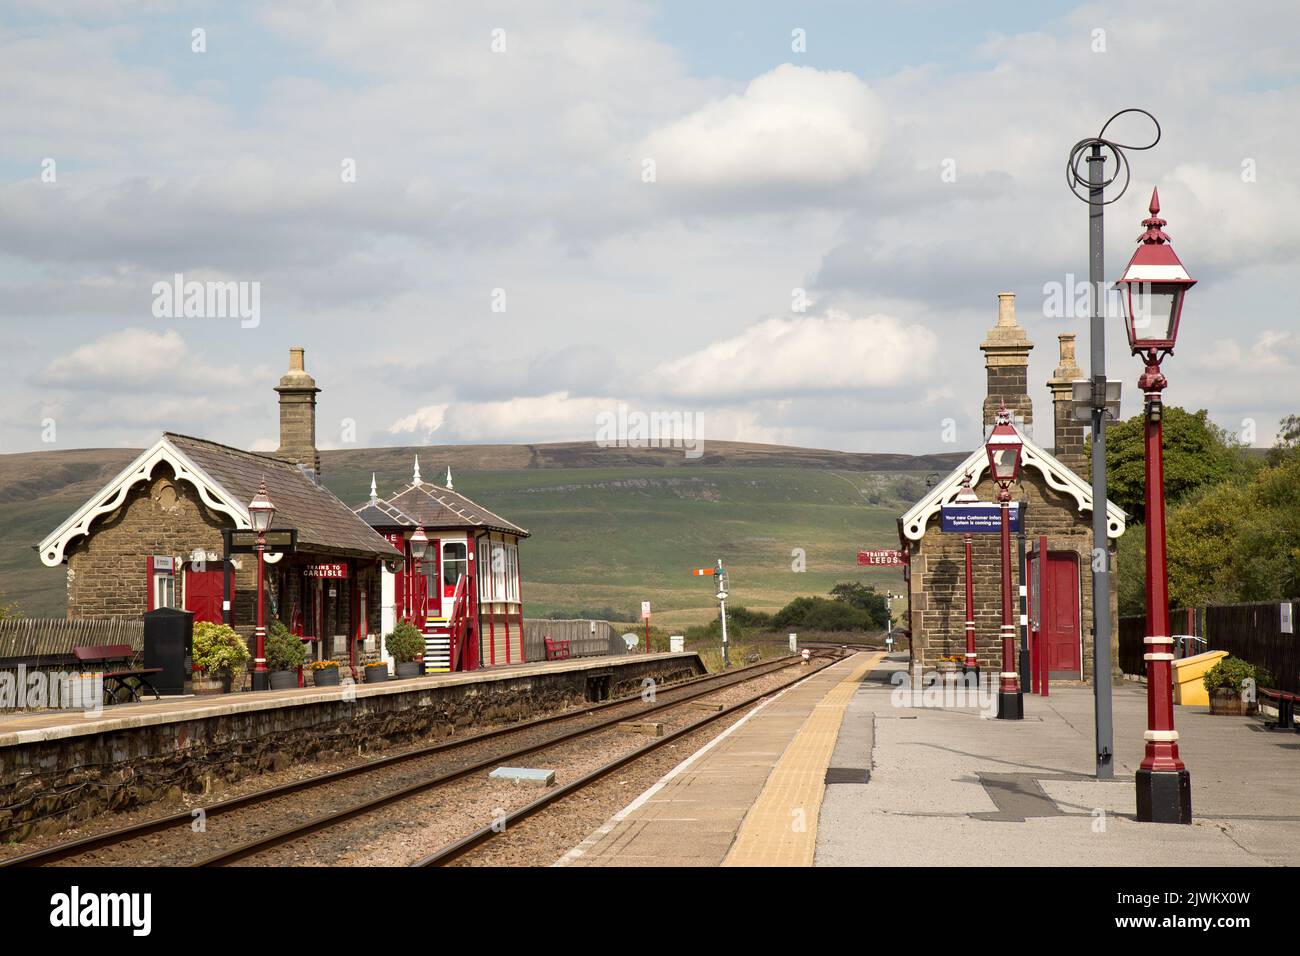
{"type": "Point", "coordinates": [1252, 632]}
{"type": "Point", "coordinates": [586, 638]}
{"type": "Point", "coordinates": [39, 642]}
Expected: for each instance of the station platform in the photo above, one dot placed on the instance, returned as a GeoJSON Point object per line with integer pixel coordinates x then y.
{"type": "Point", "coordinates": [750, 797]}
{"type": "Point", "coordinates": [845, 769]}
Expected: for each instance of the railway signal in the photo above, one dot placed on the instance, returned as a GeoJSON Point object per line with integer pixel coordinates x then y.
{"type": "Point", "coordinates": [720, 573]}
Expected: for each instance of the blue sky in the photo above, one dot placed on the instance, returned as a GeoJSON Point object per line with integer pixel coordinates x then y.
{"type": "Point", "coordinates": [503, 267]}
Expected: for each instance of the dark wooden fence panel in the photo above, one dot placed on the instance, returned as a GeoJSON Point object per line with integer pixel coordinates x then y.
{"type": "Point", "coordinates": [1252, 632]}
{"type": "Point", "coordinates": [1131, 648]}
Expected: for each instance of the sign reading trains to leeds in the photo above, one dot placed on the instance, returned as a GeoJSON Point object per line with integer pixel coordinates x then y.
{"type": "Point", "coordinates": [325, 571]}
{"type": "Point", "coordinates": [982, 518]}
{"type": "Point", "coordinates": [881, 558]}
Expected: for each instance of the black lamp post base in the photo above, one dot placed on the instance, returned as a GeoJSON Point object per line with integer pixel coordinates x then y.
{"type": "Point", "coordinates": [1011, 705]}
{"type": "Point", "coordinates": [261, 680]}
{"type": "Point", "coordinates": [1164, 796]}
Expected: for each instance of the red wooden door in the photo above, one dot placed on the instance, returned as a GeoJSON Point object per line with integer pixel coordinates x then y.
{"type": "Point", "coordinates": [1059, 615]}
{"type": "Point", "coordinates": [204, 594]}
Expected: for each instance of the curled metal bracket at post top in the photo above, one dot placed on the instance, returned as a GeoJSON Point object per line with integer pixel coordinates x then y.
{"type": "Point", "coordinates": [1075, 179]}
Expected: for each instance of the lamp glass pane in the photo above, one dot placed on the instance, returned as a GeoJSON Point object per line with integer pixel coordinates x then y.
{"type": "Point", "coordinates": [1151, 311]}
{"type": "Point", "coordinates": [261, 519]}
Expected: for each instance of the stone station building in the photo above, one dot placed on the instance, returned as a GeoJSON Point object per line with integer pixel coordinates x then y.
{"type": "Point", "coordinates": [1058, 505]}
{"type": "Point", "coordinates": [157, 536]}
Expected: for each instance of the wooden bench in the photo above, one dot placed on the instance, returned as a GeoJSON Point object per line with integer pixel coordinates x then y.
{"type": "Point", "coordinates": [1285, 708]}
{"type": "Point", "coordinates": [556, 650]}
{"type": "Point", "coordinates": [118, 681]}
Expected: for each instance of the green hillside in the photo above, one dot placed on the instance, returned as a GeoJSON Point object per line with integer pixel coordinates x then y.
{"type": "Point", "coordinates": [603, 535]}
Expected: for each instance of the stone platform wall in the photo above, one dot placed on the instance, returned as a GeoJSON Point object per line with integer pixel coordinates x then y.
{"type": "Point", "coordinates": [48, 784]}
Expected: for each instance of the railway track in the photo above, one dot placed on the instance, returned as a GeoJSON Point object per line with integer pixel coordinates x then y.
{"type": "Point", "coordinates": [527, 737]}
{"type": "Point", "coordinates": [461, 850]}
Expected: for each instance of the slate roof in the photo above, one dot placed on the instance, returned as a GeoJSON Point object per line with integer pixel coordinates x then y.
{"type": "Point", "coordinates": [323, 522]}
{"type": "Point", "coordinates": [433, 507]}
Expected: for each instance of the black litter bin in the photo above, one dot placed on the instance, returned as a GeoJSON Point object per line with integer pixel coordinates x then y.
{"type": "Point", "coordinates": [167, 635]}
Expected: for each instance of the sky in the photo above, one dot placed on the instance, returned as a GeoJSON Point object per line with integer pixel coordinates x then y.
{"type": "Point", "coordinates": [499, 222]}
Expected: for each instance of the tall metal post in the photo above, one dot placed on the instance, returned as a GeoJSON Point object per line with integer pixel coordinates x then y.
{"type": "Point", "coordinates": [1101, 666]}
{"type": "Point", "coordinates": [1025, 677]}
{"type": "Point", "coordinates": [1164, 789]}
{"type": "Point", "coordinates": [971, 662]}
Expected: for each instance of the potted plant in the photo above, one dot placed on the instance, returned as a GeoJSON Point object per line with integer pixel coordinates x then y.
{"type": "Point", "coordinates": [1227, 681]}
{"type": "Point", "coordinates": [219, 655]}
{"type": "Point", "coordinates": [406, 645]}
{"type": "Point", "coordinates": [284, 655]}
{"type": "Point", "coordinates": [325, 673]}
{"type": "Point", "coordinates": [376, 672]}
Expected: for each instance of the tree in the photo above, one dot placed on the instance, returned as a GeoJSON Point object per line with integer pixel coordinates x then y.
{"type": "Point", "coordinates": [865, 598]}
{"type": "Point", "coordinates": [1198, 454]}
{"type": "Point", "coordinates": [822, 614]}
{"type": "Point", "coordinates": [1288, 439]}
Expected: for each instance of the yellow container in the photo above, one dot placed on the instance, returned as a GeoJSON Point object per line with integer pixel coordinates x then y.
{"type": "Point", "coordinates": [1189, 678]}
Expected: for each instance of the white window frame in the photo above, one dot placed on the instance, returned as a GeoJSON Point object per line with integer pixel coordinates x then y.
{"type": "Point", "coordinates": [484, 569]}
{"type": "Point", "coordinates": [499, 571]}
{"type": "Point", "coordinates": [160, 578]}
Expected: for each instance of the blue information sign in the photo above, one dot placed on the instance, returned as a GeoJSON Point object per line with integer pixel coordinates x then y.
{"type": "Point", "coordinates": [985, 517]}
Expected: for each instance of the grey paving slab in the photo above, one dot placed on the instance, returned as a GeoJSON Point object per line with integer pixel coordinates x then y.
{"type": "Point", "coordinates": [951, 787]}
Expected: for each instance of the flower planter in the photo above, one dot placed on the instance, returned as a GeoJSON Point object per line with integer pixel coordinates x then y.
{"type": "Point", "coordinates": [1227, 702]}
{"type": "Point", "coordinates": [376, 673]}
{"type": "Point", "coordinates": [284, 680]}
{"type": "Point", "coordinates": [947, 667]}
{"type": "Point", "coordinates": [408, 669]}
{"type": "Point", "coordinates": [203, 685]}
{"type": "Point", "coordinates": [326, 676]}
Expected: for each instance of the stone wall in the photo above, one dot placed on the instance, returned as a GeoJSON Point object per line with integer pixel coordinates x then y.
{"type": "Point", "coordinates": [938, 578]}
{"type": "Point", "coordinates": [108, 571]}
{"type": "Point", "coordinates": [47, 785]}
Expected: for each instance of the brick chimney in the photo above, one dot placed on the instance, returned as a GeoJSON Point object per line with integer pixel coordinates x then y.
{"type": "Point", "coordinates": [1006, 358]}
{"type": "Point", "coordinates": [1069, 433]}
{"type": "Point", "coordinates": [298, 416]}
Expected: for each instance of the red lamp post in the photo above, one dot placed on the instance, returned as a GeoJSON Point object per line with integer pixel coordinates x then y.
{"type": "Point", "coordinates": [965, 496]}
{"type": "Point", "coordinates": [1004, 447]}
{"type": "Point", "coordinates": [260, 513]}
{"type": "Point", "coordinates": [419, 605]}
{"type": "Point", "coordinates": [1152, 289]}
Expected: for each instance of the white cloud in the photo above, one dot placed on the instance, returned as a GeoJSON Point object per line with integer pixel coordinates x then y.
{"type": "Point", "coordinates": [792, 126]}
{"type": "Point", "coordinates": [554, 417]}
{"type": "Point", "coordinates": [810, 354]}
{"type": "Point", "coordinates": [139, 360]}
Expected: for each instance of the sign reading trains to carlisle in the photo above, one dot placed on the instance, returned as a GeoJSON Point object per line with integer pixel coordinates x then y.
{"type": "Point", "coordinates": [325, 571]}
{"type": "Point", "coordinates": [881, 558]}
{"type": "Point", "coordinates": [982, 518]}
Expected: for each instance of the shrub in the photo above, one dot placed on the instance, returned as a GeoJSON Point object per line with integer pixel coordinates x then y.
{"type": "Point", "coordinates": [284, 651]}
{"type": "Point", "coordinates": [1232, 672]}
{"type": "Point", "coordinates": [405, 643]}
{"type": "Point", "coordinates": [822, 614]}
{"type": "Point", "coordinates": [218, 650]}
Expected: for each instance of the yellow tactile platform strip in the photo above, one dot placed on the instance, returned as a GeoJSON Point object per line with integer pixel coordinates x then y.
{"type": "Point", "coordinates": [781, 827]}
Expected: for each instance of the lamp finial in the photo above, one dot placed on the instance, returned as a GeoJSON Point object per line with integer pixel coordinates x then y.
{"type": "Point", "coordinates": [1155, 233]}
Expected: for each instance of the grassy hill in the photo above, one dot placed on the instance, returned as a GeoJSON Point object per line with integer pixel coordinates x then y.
{"type": "Point", "coordinates": [611, 527]}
